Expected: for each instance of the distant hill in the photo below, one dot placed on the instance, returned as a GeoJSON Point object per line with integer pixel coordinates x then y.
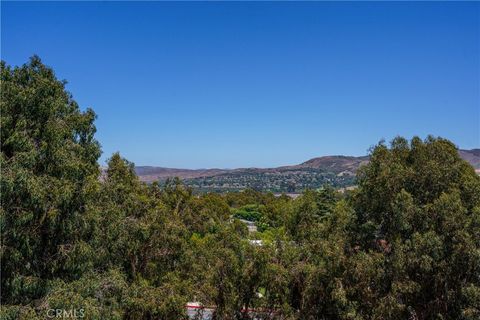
{"type": "Point", "coordinates": [338, 171]}
{"type": "Point", "coordinates": [147, 173]}
{"type": "Point", "coordinates": [336, 164]}
{"type": "Point", "coordinates": [472, 156]}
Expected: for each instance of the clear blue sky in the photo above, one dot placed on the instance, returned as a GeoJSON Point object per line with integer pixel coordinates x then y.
{"type": "Point", "coordinates": [211, 84]}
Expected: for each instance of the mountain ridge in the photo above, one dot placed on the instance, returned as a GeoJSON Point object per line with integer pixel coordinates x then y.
{"type": "Point", "coordinates": [338, 170]}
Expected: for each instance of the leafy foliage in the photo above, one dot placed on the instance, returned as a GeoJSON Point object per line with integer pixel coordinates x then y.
{"type": "Point", "coordinates": [49, 170]}
{"type": "Point", "coordinates": [248, 212]}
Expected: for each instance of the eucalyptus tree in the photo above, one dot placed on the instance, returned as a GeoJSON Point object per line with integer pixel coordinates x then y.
{"type": "Point", "coordinates": [418, 204]}
{"type": "Point", "coordinates": [48, 171]}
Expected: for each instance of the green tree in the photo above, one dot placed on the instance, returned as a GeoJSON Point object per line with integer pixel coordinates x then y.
{"type": "Point", "coordinates": [48, 171]}
{"type": "Point", "coordinates": [418, 205]}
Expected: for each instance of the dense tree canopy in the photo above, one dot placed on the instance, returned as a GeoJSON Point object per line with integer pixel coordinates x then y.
{"type": "Point", "coordinates": [405, 244]}
{"type": "Point", "coordinates": [49, 166]}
